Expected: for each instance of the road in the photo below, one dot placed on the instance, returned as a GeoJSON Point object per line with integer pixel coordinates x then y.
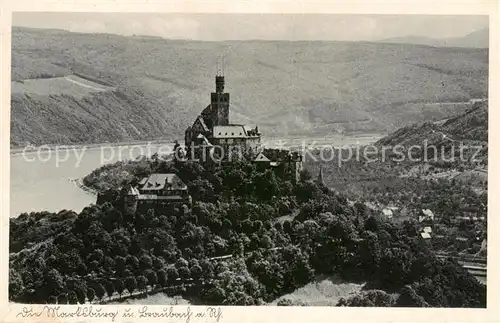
{"type": "Point", "coordinates": [68, 78]}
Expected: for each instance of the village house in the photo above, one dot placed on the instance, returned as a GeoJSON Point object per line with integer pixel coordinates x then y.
{"type": "Point", "coordinates": [283, 162]}
{"type": "Point", "coordinates": [426, 216]}
{"type": "Point", "coordinates": [158, 191]}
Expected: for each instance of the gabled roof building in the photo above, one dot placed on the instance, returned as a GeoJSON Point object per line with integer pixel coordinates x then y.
{"type": "Point", "coordinates": [158, 191]}
{"type": "Point", "coordinates": [284, 162]}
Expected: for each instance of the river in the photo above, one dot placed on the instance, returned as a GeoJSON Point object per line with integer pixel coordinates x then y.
{"type": "Point", "coordinates": [42, 182]}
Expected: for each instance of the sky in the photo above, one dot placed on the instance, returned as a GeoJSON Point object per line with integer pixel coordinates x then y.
{"type": "Point", "coordinates": [216, 27]}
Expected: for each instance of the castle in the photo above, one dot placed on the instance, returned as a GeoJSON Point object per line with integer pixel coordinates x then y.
{"type": "Point", "coordinates": [212, 133]}
{"type": "Point", "coordinates": [213, 137]}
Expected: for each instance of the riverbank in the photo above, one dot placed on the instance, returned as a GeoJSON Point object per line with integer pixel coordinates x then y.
{"type": "Point", "coordinates": [79, 182]}
{"type": "Point", "coordinates": [361, 137]}
{"type": "Point", "coordinates": [32, 149]}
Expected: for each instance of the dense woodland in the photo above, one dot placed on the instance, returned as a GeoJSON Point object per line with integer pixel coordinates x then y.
{"type": "Point", "coordinates": [281, 236]}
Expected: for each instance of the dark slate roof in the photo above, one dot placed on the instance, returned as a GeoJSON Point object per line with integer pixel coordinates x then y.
{"type": "Point", "coordinates": [202, 140]}
{"type": "Point", "coordinates": [276, 155]}
{"type": "Point", "coordinates": [203, 124]}
{"type": "Point", "coordinates": [162, 181]}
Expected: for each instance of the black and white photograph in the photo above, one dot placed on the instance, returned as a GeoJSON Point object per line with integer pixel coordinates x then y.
{"type": "Point", "coordinates": [245, 159]}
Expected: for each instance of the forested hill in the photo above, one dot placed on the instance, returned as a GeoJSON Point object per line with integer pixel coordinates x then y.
{"type": "Point", "coordinates": [468, 129]}
{"type": "Point", "coordinates": [274, 237]}
{"type": "Point", "coordinates": [470, 125]}
{"type": "Point", "coordinates": [73, 87]}
{"type": "Point", "coordinates": [447, 171]}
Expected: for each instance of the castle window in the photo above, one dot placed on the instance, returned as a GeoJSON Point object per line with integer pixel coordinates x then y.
{"type": "Point", "coordinates": [232, 133]}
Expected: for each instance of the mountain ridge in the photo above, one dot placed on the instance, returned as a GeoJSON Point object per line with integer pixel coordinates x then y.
{"type": "Point", "coordinates": [476, 39]}
{"type": "Point", "coordinates": [286, 87]}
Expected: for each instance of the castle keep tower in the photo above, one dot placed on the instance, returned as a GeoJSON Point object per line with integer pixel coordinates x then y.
{"type": "Point", "coordinates": [220, 104]}
{"type": "Point", "coordinates": [212, 129]}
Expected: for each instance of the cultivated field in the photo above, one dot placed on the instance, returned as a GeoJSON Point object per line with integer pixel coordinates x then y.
{"type": "Point", "coordinates": [70, 85]}
{"type": "Point", "coordinates": [322, 292]}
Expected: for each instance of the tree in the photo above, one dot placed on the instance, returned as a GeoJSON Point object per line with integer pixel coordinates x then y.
{"type": "Point", "coordinates": [266, 242]}
{"type": "Point", "coordinates": [142, 283]}
{"type": "Point", "coordinates": [298, 270]}
{"type": "Point", "coordinates": [181, 262]}
{"type": "Point", "coordinates": [395, 266]}
{"type": "Point", "coordinates": [145, 262]}
{"type": "Point", "coordinates": [132, 261]}
{"type": "Point", "coordinates": [151, 277]}
{"type": "Point", "coordinates": [108, 263]}
{"type": "Point", "coordinates": [374, 223]}
{"type": "Point", "coordinates": [409, 298]}
{"type": "Point", "coordinates": [127, 273]}
{"type": "Point", "coordinates": [158, 263]}
{"type": "Point", "coordinates": [15, 284]}
{"type": "Point", "coordinates": [72, 299]}
{"type": "Point", "coordinates": [213, 295]}
{"type": "Point", "coordinates": [119, 286]}
{"type": "Point", "coordinates": [110, 288]}
{"type": "Point", "coordinates": [120, 263]}
{"type": "Point", "coordinates": [184, 273]}
{"type": "Point", "coordinates": [305, 191]}
{"type": "Point", "coordinates": [52, 299]}
{"type": "Point", "coordinates": [97, 255]}
{"type": "Point", "coordinates": [94, 266]}
{"type": "Point", "coordinates": [99, 291]}
{"type": "Point", "coordinates": [236, 247]}
{"type": "Point", "coordinates": [80, 292]}
{"type": "Point", "coordinates": [372, 298]}
{"type": "Point", "coordinates": [305, 175]}
{"type": "Point", "coordinates": [79, 286]}
{"type": "Point", "coordinates": [90, 294]}
{"type": "Point", "coordinates": [62, 298]}
{"type": "Point", "coordinates": [162, 277]}
{"type": "Point", "coordinates": [369, 254]}
{"type": "Point", "coordinates": [172, 274]}
{"type": "Point", "coordinates": [54, 282]}
{"type": "Point", "coordinates": [130, 284]}
{"type": "Point", "coordinates": [285, 302]}
{"type": "Point", "coordinates": [207, 268]}
{"type": "Point", "coordinates": [196, 272]}
{"type": "Point", "coordinates": [267, 185]}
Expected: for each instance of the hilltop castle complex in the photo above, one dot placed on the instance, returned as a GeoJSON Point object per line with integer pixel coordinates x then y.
{"type": "Point", "coordinates": [212, 135]}
{"type": "Point", "coordinates": [212, 128]}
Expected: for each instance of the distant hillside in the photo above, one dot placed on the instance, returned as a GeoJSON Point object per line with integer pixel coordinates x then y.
{"type": "Point", "coordinates": [158, 86]}
{"type": "Point", "coordinates": [438, 176]}
{"type": "Point", "coordinates": [471, 125]}
{"type": "Point", "coordinates": [469, 128]}
{"type": "Point", "coordinates": [477, 39]}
